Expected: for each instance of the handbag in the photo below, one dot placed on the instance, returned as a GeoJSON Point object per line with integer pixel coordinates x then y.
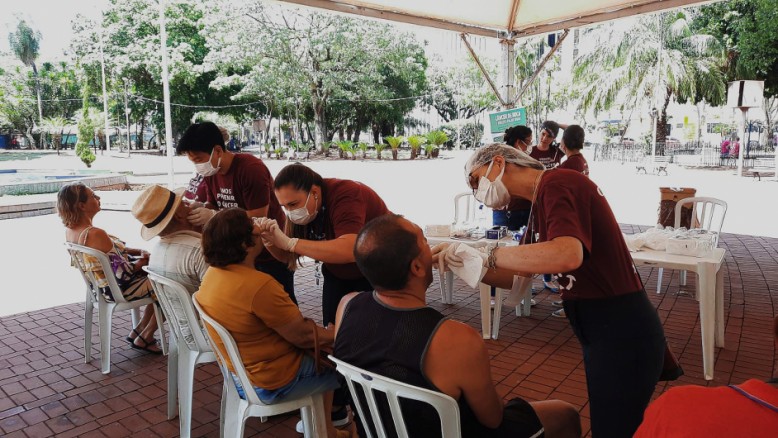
{"type": "Point", "coordinates": [321, 361]}
{"type": "Point", "coordinates": [671, 369]}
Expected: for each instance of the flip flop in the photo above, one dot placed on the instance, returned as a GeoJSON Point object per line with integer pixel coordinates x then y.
{"type": "Point", "coordinates": [146, 345]}
{"type": "Point", "coordinates": [132, 340]}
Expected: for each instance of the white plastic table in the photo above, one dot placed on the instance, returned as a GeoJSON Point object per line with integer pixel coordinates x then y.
{"type": "Point", "coordinates": [710, 293]}
{"type": "Point", "coordinates": [489, 326]}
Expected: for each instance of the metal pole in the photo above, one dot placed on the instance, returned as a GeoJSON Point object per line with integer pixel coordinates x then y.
{"type": "Point", "coordinates": [166, 91]}
{"type": "Point", "coordinates": [105, 94]}
{"type": "Point", "coordinates": [540, 66]}
{"type": "Point", "coordinates": [744, 114]}
{"type": "Point", "coordinates": [127, 115]}
{"type": "Point", "coordinates": [508, 65]}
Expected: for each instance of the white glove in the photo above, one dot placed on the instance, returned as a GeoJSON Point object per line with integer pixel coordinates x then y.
{"type": "Point", "coordinates": [278, 238]}
{"type": "Point", "coordinates": [453, 259]}
{"type": "Point", "coordinates": [200, 216]}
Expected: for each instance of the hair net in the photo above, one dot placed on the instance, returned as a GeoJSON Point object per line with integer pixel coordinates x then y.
{"type": "Point", "coordinates": [486, 154]}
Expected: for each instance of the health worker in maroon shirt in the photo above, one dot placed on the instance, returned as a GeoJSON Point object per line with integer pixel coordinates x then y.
{"type": "Point", "coordinates": [574, 234]}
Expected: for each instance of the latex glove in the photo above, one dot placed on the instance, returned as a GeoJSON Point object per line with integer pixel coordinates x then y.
{"type": "Point", "coordinates": [200, 216]}
{"type": "Point", "coordinates": [278, 238]}
{"type": "Point", "coordinates": [455, 260]}
{"type": "Point", "coordinates": [438, 251]}
{"type": "Point", "coordinates": [264, 224]}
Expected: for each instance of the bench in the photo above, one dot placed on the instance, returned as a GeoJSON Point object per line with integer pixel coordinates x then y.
{"type": "Point", "coordinates": [657, 165]}
{"type": "Point", "coordinates": [762, 167]}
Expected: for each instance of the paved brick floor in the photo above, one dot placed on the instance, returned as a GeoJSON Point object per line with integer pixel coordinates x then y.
{"type": "Point", "coordinates": [46, 389]}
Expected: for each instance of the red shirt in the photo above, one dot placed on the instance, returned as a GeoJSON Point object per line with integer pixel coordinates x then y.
{"type": "Point", "coordinates": [570, 204]}
{"type": "Point", "coordinates": [696, 411]}
{"type": "Point", "coordinates": [576, 162]}
{"type": "Point", "coordinates": [550, 158]}
{"type": "Point", "coordinates": [248, 185]}
{"type": "Point", "coordinates": [347, 207]}
{"type": "Point", "coordinates": [196, 190]}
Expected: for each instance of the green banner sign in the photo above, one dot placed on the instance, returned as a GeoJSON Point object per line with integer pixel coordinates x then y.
{"type": "Point", "coordinates": [500, 121]}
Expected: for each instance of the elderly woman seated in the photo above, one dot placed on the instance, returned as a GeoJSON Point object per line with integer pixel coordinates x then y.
{"type": "Point", "coordinates": [77, 205]}
{"type": "Point", "coordinates": [268, 328]}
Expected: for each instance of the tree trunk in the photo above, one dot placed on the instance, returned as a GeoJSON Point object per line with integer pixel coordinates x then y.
{"type": "Point", "coordinates": [38, 93]}
{"type": "Point", "coordinates": [376, 132]}
{"type": "Point", "coordinates": [28, 135]}
{"type": "Point", "coordinates": [661, 125]}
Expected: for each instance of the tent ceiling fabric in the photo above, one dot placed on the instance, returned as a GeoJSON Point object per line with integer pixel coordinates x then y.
{"type": "Point", "coordinates": [494, 18]}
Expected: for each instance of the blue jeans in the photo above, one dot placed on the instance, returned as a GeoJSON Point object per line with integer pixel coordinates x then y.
{"type": "Point", "coordinates": [306, 382]}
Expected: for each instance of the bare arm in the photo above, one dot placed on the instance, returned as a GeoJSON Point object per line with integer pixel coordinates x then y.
{"type": "Point", "coordinates": [457, 362]}
{"type": "Point", "coordinates": [563, 254]}
{"type": "Point", "coordinates": [342, 309]}
{"type": "Point", "coordinates": [300, 334]}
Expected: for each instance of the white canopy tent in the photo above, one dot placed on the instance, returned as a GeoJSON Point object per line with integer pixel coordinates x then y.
{"type": "Point", "coordinates": [505, 20]}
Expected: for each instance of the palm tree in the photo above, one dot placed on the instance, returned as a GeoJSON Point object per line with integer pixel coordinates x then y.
{"type": "Point", "coordinates": [659, 54]}
{"type": "Point", "coordinates": [25, 43]}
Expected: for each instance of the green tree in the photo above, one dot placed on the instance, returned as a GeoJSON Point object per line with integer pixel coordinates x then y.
{"type": "Point", "coordinates": [623, 69]}
{"type": "Point", "coordinates": [86, 133]}
{"type": "Point", "coordinates": [460, 91]}
{"type": "Point", "coordinates": [17, 102]}
{"type": "Point", "coordinates": [25, 42]}
{"type": "Point", "coordinates": [323, 68]}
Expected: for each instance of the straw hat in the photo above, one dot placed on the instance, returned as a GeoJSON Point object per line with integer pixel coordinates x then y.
{"type": "Point", "coordinates": [154, 208]}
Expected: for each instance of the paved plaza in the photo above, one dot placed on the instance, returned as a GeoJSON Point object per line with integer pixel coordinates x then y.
{"type": "Point", "coordinates": [46, 389]}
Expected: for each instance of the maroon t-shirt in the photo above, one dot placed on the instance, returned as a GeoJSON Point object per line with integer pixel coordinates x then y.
{"type": "Point", "coordinates": [576, 162]}
{"type": "Point", "coordinates": [248, 185]}
{"type": "Point", "coordinates": [550, 158]}
{"type": "Point", "coordinates": [196, 190]}
{"type": "Point", "coordinates": [570, 204]}
{"type": "Point", "coordinates": [348, 206]}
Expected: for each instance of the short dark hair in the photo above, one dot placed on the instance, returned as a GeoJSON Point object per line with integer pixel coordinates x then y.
{"type": "Point", "coordinates": [200, 137]}
{"type": "Point", "coordinates": [551, 126]}
{"type": "Point", "coordinates": [573, 137]}
{"type": "Point", "coordinates": [384, 251]}
{"type": "Point", "coordinates": [514, 133]}
{"type": "Point", "coordinates": [226, 237]}
{"type": "Point", "coordinates": [299, 176]}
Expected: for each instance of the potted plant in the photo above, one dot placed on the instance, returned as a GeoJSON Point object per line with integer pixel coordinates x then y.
{"type": "Point", "coordinates": [304, 147]}
{"type": "Point", "coordinates": [436, 139]}
{"type": "Point", "coordinates": [268, 149]}
{"type": "Point", "coordinates": [363, 147]}
{"type": "Point", "coordinates": [326, 148]}
{"type": "Point", "coordinates": [394, 143]}
{"type": "Point", "coordinates": [378, 148]}
{"type": "Point", "coordinates": [415, 142]}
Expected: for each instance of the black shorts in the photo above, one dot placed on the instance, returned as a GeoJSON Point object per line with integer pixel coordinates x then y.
{"type": "Point", "coordinates": [519, 420]}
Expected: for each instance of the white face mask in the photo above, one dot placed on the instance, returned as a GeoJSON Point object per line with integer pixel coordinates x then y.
{"type": "Point", "coordinates": [300, 216]}
{"type": "Point", "coordinates": [493, 194]}
{"type": "Point", "coordinates": [206, 168]}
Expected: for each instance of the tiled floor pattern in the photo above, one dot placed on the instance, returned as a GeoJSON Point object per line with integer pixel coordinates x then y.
{"type": "Point", "coordinates": [46, 389]}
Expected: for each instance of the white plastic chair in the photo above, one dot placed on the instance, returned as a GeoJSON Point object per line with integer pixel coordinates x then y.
{"type": "Point", "coordinates": [464, 216]}
{"type": "Point", "coordinates": [447, 407]}
{"type": "Point", "coordinates": [105, 309]}
{"type": "Point", "coordinates": [707, 214]}
{"type": "Point", "coordinates": [521, 298]}
{"type": "Point", "coordinates": [236, 410]}
{"type": "Point", "coordinates": [188, 348]}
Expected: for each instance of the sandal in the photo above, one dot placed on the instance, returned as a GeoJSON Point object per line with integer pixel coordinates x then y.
{"type": "Point", "coordinates": [130, 339]}
{"type": "Point", "coordinates": [146, 345]}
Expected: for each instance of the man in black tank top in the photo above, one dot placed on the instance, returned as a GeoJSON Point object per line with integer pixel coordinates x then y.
{"type": "Point", "coordinates": [392, 332]}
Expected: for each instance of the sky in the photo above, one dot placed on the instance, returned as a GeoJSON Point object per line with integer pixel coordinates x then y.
{"type": "Point", "coordinates": [51, 17]}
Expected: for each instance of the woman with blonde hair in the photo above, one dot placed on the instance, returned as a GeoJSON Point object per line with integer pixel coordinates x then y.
{"type": "Point", "coordinates": [77, 205]}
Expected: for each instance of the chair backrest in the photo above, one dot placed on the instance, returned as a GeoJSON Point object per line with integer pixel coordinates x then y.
{"type": "Point", "coordinates": [77, 253]}
{"type": "Point", "coordinates": [447, 408]}
{"type": "Point", "coordinates": [231, 348]}
{"type": "Point", "coordinates": [177, 306]}
{"type": "Point", "coordinates": [464, 208]}
{"type": "Point", "coordinates": [707, 214]}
